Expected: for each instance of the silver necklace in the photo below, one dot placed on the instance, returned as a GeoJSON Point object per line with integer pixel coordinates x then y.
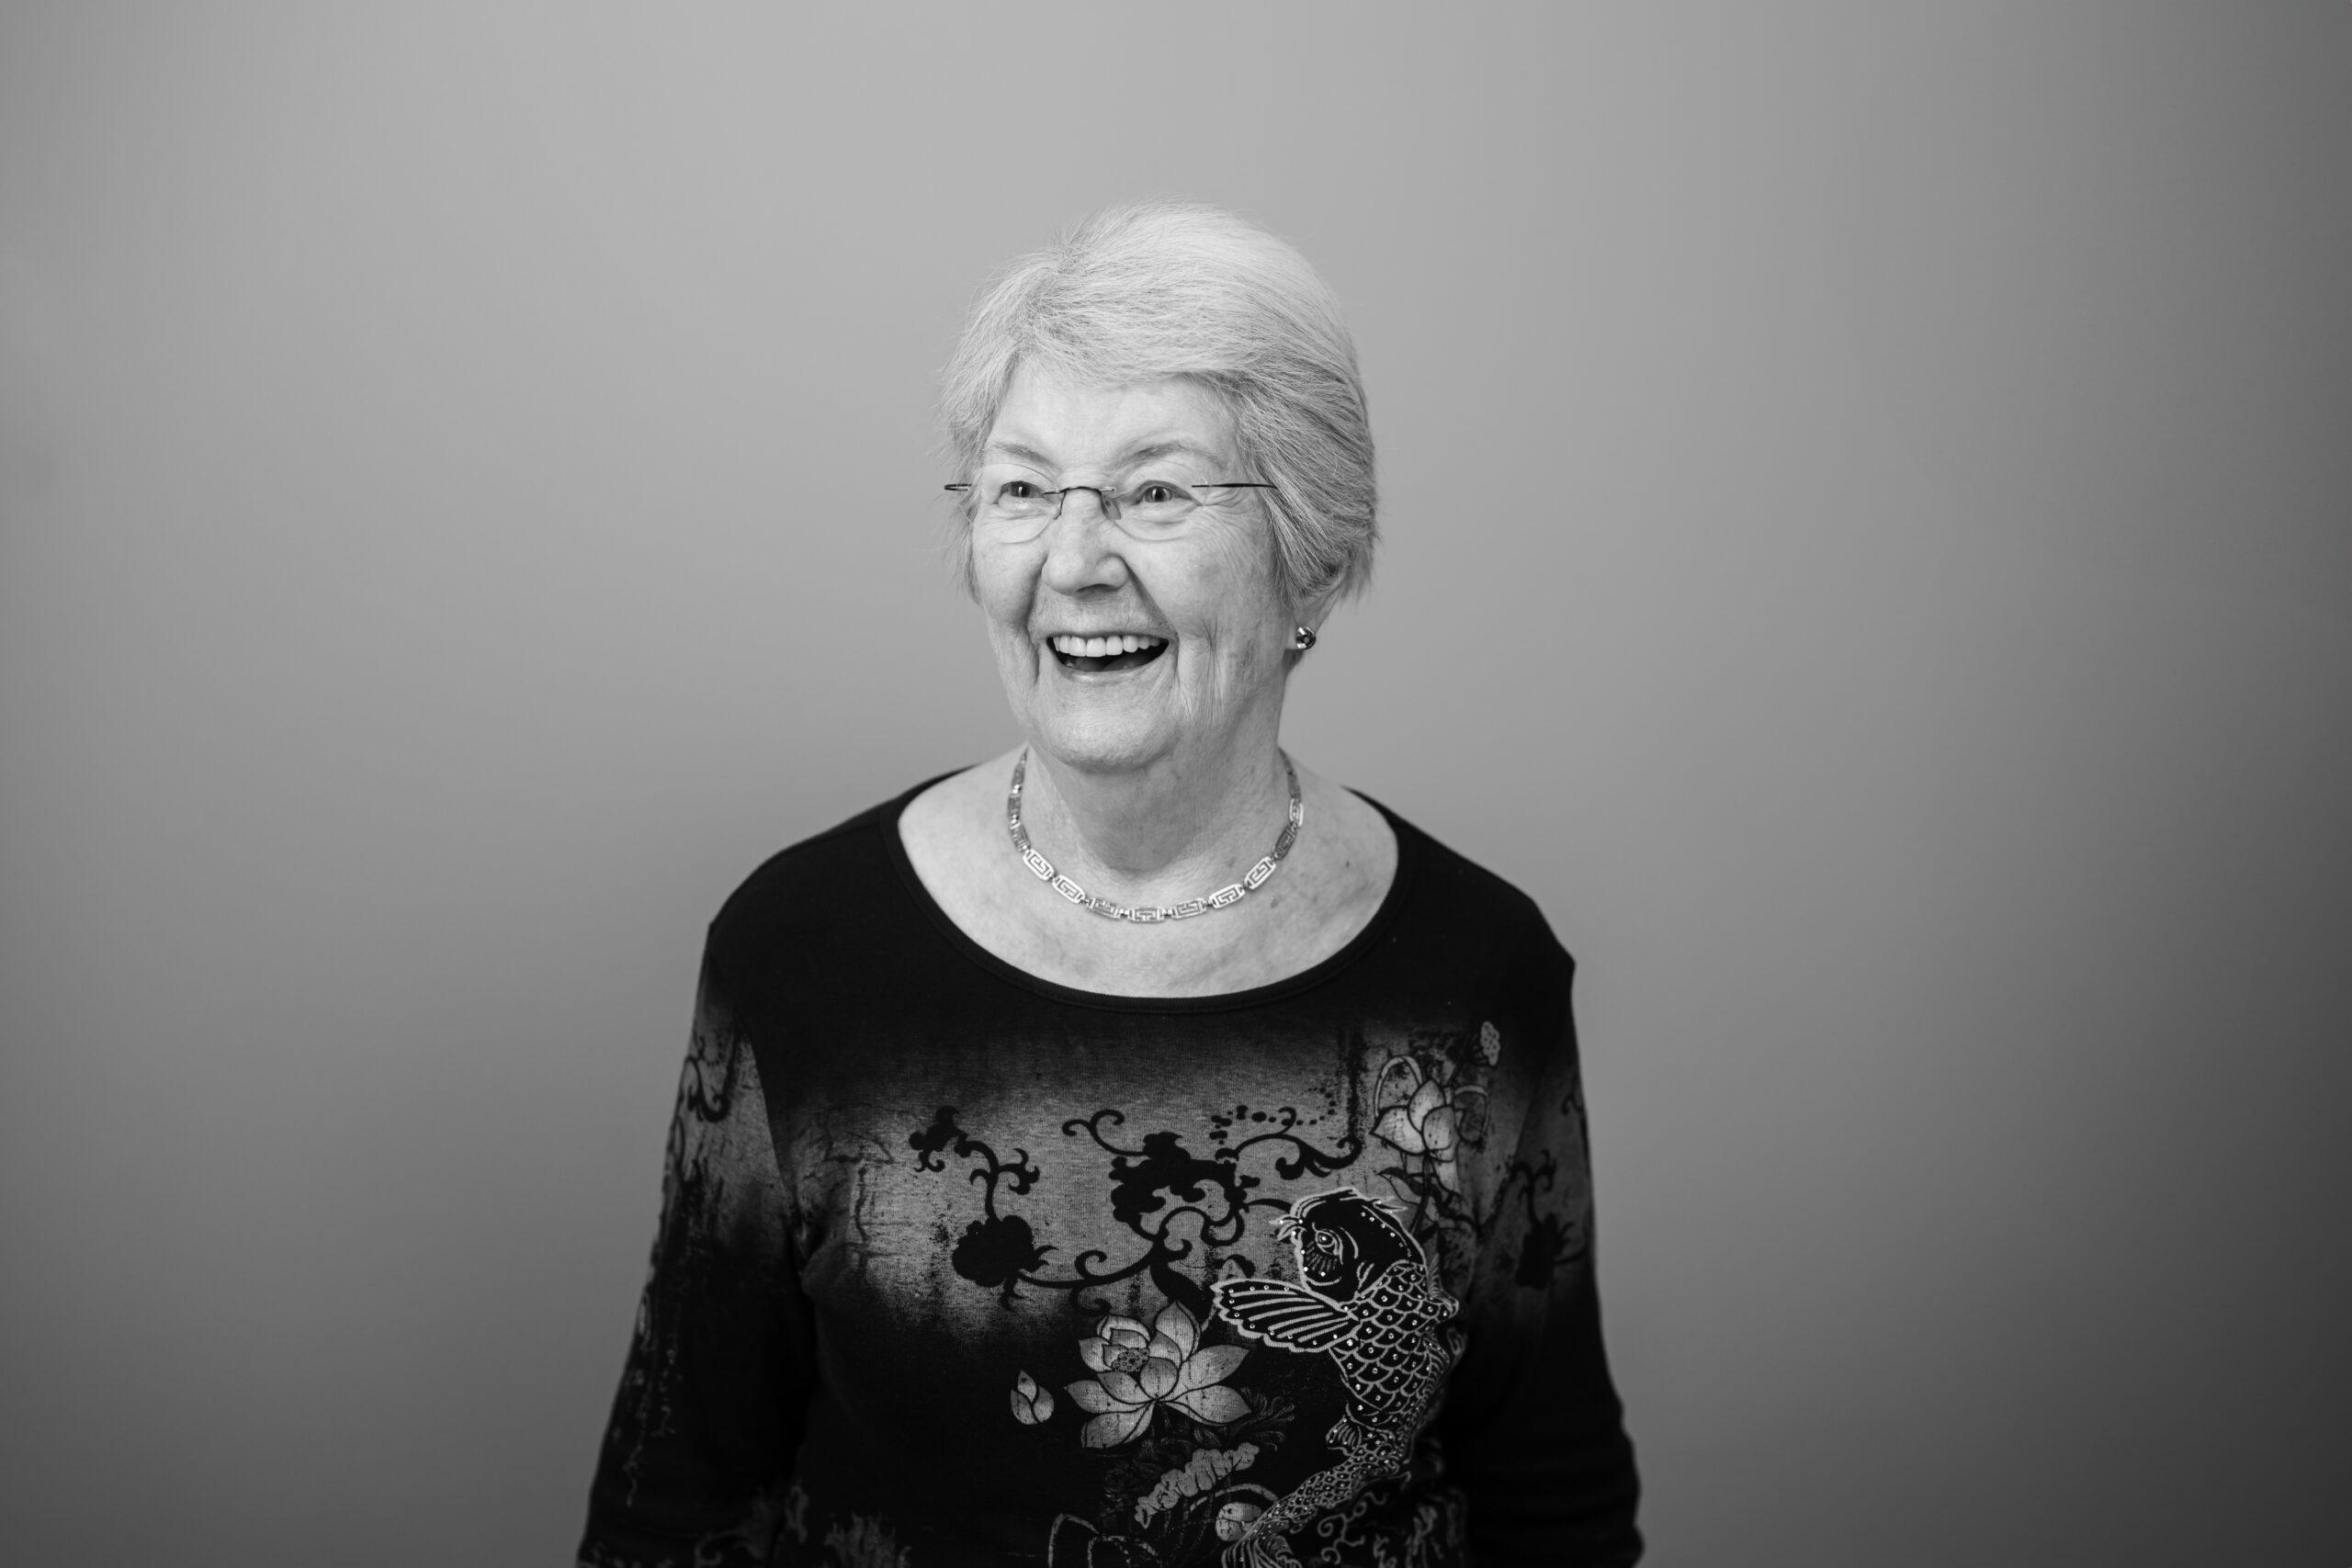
{"type": "Point", "coordinates": [1224, 898]}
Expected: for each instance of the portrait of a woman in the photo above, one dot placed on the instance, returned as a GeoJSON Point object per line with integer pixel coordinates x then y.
{"type": "Point", "coordinates": [1136, 1146]}
{"type": "Point", "coordinates": [742, 823]}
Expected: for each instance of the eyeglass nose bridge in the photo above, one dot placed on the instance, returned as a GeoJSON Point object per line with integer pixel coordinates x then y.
{"type": "Point", "coordinates": [1102, 498]}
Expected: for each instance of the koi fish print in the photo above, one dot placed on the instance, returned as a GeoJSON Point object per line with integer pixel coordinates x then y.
{"type": "Point", "coordinates": [1371, 1303]}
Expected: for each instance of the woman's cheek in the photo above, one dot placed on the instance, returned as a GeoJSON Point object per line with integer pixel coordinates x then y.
{"type": "Point", "coordinates": [1003, 600]}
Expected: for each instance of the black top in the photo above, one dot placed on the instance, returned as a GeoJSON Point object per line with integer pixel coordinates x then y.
{"type": "Point", "coordinates": [956, 1265]}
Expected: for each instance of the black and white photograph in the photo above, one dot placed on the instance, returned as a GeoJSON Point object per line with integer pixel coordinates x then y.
{"type": "Point", "coordinates": [1283, 786]}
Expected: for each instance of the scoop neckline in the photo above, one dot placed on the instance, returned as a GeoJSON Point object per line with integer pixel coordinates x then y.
{"type": "Point", "coordinates": [1306, 979]}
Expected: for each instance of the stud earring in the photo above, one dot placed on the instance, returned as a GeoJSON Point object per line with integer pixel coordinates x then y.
{"type": "Point", "coordinates": [1302, 638]}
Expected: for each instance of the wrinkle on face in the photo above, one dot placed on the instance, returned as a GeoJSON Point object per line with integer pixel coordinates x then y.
{"type": "Point", "coordinates": [1211, 589]}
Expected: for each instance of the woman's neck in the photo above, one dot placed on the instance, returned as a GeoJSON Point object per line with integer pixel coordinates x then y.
{"type": "Point", "coordinates": [1161, 834]}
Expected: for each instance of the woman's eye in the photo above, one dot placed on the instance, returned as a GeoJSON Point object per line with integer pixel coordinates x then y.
{"type": "Point", "coordinates": [1019, 490]}
{"type": "Point", "coordinates": [1157, 494]}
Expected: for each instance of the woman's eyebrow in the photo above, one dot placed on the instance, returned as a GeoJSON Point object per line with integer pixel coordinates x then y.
{"type": "Point", "coordinates": [1160, 449]}
{"type": "Point", "coordinates": [1151, 452]}
{"type": "Point", "coordinates": [1023, 454]}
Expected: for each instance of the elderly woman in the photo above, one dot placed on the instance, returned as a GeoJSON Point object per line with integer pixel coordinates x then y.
{"type": "Point", "coordinates": [1138, 1147]}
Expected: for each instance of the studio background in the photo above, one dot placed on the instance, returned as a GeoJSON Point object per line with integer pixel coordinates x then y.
{"type": "Point", "coordinates": [1868, 495]}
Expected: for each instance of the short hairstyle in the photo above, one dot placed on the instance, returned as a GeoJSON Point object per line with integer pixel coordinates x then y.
{"type": "Point", "coordinates": [1151, 288]}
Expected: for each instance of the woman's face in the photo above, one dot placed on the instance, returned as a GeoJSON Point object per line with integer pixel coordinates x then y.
{"type": "Point", "coordinates": [1197, 628]}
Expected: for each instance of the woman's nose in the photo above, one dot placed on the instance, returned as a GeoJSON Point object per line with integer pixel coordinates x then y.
{"type": "Point", "coordinates": [1082, 547]}
{"type": "Point", "coordinates": [1102, 502]}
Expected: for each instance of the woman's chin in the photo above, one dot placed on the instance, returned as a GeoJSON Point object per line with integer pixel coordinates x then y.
{"type": "Point", "coordinates": [1102, 741]}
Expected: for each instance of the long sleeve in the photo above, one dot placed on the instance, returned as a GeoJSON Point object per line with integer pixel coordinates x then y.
{"type": "Point", "coordinates": [958, 1267]}
{"type": "Point", "coordinates": [708, 1415]}
{"type": "Point", "coordinates": [1536, 1436]}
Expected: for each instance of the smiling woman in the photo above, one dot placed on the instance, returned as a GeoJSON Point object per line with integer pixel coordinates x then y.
{"type": "Point", "coordinates": [1296, 1162]}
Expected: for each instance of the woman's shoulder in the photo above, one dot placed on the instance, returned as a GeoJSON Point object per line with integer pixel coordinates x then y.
{"type": "Point", "coordinates": [816, 880]}
{"type": "Point", "coordinates": [1452, 891]}
{"type": "Point", "coordinates": [848, 881]}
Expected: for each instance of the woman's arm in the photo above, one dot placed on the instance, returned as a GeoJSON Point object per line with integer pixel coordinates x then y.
{"type": "Point", "coordinates": [707, 1419]}
{"type": "Point", "coordinates": [1538, 1440]}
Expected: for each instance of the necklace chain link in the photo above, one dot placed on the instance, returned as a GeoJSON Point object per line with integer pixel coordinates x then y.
{"type": "Point", "coordinates": [1224, 898]}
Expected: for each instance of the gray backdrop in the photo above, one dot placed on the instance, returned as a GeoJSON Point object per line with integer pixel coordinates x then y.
{"type": "Point", "coordinates": [1870, 509]}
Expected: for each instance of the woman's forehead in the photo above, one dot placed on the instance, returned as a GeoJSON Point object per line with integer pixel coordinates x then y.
{"type": "Point", "coordinates": [1063, 422]}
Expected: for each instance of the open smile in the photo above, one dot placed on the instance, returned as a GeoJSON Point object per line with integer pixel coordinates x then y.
{"type": "Point", "coordinates": [1107, 654]}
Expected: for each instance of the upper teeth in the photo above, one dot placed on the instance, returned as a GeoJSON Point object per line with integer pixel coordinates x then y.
{"type": "Point", "coordinates": [1103, 647]}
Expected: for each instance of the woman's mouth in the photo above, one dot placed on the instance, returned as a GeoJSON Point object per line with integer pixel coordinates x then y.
{"type": "Point", "coordinates": [1103, 655]}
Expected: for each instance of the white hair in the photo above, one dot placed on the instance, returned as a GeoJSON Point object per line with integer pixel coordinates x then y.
{"type": "Point", "coordinates": [1151, 288]}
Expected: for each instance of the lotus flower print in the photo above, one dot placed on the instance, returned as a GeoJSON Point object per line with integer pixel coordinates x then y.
{"type": "Point", "coordinates": [1118, 1344]}
{"type": "Point", "coordinates": [1141, 1370]}
{"type": "Point", "coordinates": [1032, 1405]}
{"type": "Point", "coordinates": [1422, 1114]}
